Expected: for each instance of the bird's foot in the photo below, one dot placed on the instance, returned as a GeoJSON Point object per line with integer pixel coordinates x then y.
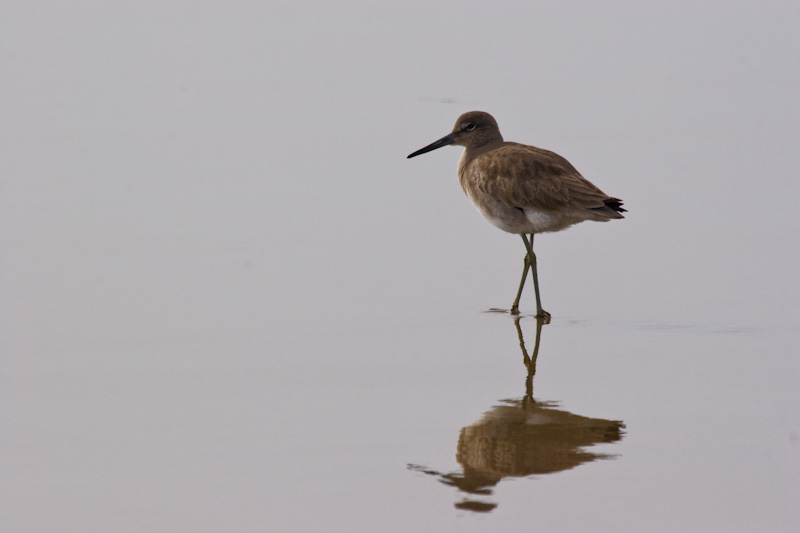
{"type": "Point", "coordinates": [541, 313]}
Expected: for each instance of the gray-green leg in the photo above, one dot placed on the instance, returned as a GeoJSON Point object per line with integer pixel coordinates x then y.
{"type": "Point", "coordinates": [515, 307]}
{"type": "Point", "coordinates": [532, 260]}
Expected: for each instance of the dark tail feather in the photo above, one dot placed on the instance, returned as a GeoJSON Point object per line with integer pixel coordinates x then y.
{"type": "Point", "coordinates": [616, 205]}
{"type": "Point", "coordinates": [612, 208]}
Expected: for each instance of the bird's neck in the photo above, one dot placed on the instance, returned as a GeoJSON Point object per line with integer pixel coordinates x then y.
{"type": "Point", "coordinates": [471, 152]}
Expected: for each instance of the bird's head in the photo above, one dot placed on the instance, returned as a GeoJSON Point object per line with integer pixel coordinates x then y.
{"type": "Point", "coordinates": [472, 130]}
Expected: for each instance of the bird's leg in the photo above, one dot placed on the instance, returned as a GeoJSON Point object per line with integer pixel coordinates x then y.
{"type": "Point", "coordinates": [540, 313]}
{"type": "Point", "coordinates": [515, 306]}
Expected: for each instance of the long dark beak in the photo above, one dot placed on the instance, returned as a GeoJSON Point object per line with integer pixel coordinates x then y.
{"type": "Point", "coordinates": [444, 141]}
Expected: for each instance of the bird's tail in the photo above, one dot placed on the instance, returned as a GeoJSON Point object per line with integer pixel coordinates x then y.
{"type": "Point", "coordinates": [612, 208]}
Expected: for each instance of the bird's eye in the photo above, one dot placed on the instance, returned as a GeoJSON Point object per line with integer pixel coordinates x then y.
{"type": "Point", "coordinates": [469, 126]}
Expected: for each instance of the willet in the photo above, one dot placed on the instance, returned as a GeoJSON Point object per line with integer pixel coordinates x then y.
{"type": "Point", "coordinates": [522, 189]}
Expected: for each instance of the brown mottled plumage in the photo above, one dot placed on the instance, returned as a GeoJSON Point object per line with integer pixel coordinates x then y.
{"type": "Point", "coordinates": [522, 189]}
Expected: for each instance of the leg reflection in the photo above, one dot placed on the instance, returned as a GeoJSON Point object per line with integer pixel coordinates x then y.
{"type": "Point", "coordinates": [530, 361]}
{"type": "Point", "coordinates": [522, 437]}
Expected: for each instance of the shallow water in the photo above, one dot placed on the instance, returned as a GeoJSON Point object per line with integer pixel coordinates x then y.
{"type": "Point", "coordinates": [229, 303]}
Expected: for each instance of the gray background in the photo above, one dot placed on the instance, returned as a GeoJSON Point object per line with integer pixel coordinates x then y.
{"type": "Point", "coordinates": [229, 303]}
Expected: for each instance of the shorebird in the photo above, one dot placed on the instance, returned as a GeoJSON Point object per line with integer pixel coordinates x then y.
{"type": "Point", "coordinates": [522, 189]}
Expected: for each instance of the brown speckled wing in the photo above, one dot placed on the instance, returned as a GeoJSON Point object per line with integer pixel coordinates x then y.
{"type": "Point", "coordinates": [529, 177]}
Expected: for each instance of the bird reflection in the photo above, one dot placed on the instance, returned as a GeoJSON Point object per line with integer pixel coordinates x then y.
{"type": "Point", "coordinates": [522, 437]}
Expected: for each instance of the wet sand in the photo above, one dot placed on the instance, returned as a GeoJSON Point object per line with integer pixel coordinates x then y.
{"type": "Point", "coordinates": [231, 304]}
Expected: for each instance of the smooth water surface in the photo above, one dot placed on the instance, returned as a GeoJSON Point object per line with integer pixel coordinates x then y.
{"type": "Point", "coordinates": [229, 303]}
